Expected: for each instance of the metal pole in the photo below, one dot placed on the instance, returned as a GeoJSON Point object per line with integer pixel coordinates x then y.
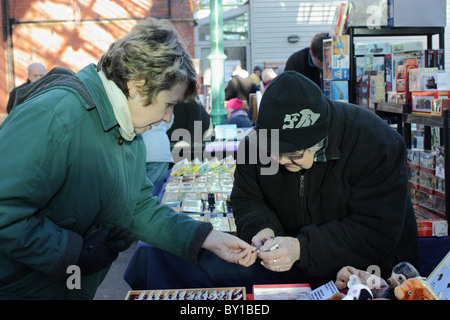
{"type": "Point", "coordinates": [217, 58]}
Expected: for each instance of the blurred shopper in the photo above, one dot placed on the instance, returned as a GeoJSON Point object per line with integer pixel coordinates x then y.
{"type": "Point", "coordinates": [267, 76]}
{"type": "Point", "coordinates": [256, 75]}
{"type": "Point", "coordinates": [35, 71]}
{"type": "Point", "coordinates": [240, 85]}
{"type": "Point", "coordinates": [236, 115]}
{"type": "Point", "coordinates": [309, 61]}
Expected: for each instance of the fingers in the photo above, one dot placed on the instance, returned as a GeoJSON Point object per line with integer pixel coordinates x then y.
{"type": "Point", "coordinates": [248, 259]}
{"type": "Point", "coordinates": [276, 264]}
{"type": "Point", "coordinates": [277, 254]}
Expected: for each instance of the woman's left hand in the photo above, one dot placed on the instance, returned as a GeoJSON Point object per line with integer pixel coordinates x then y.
{"type": "Point", "coordinates": [279, 253]}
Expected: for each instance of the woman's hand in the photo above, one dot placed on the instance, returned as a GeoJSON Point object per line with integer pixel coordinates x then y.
{"type": "Point", "coordinates": [230, 248]}
{"type": "Point", "coordinates": [280, 253]}
{"type": "Point", "coordinates": [261, 237]}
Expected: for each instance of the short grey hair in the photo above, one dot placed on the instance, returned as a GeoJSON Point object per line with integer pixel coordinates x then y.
{"type": "Point", "coordinates": [153, 51]}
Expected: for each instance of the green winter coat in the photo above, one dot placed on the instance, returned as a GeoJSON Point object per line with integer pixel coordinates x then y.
{"type": "Point", "coordinates": [64, 167]}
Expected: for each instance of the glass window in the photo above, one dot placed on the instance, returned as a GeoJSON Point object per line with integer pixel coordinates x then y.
{"type": "Point", "coordinates": [234, 29]}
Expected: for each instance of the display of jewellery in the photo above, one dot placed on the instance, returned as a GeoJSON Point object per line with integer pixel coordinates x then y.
{"type": "Point", "coordinates": [235, 293]}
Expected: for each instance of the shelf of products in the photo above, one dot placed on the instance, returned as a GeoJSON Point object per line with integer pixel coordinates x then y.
{"type": "Point", "coordinates": [353, 32]}
{"type": "Point", "coordinates": [407, 118]}
{"type": "Point", "coordinates": [403, 112]}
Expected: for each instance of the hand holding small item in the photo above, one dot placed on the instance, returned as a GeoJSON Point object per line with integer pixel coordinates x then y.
{"type": "Point", "coordinates": [279, 253]}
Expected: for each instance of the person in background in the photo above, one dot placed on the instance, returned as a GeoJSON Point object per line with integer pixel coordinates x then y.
{"type": "Point", "coordinates": [240, 85]}
{"type": "Point", "coordinates": [338, 194]}
{"type": "Point", "coordinates": [78, 195]}
{"type": "Point", "coordinates": [236, 115]}
{"type": "Point", "coordinates": [159, 156]}
{"type": "Point", "coordinates": [256, 75]}
{"type": "Point", "coordinates": [267, 76]}
{"type": "Point", "coordinates": [188, 115]}
{"type": "Point", "coordinates": [35, 71]}
{"type": "Point", "coordinates": [195, 124]}
{"type": "Point", "coordinates": [309, 61]}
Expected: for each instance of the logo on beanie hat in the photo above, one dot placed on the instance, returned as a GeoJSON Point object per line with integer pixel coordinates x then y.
{"type": "Point", "coordinates": [302, 119]}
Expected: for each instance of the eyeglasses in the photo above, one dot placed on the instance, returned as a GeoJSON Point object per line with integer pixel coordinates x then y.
{"type": "Point", "coordinates": [292, 156]}
{"type": "Point", "coordinates": [298, 155]}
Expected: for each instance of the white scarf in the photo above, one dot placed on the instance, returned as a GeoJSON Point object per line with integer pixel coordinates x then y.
{"type": "Point", "coordinates": [120, 107]}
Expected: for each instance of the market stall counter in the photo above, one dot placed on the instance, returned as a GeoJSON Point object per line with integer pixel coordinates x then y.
{"type": "Point", "coordinates": [153, 268]}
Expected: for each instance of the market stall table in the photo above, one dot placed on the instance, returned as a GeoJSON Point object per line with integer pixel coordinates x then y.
{"type": "Point", "coordinates": [153, 268]}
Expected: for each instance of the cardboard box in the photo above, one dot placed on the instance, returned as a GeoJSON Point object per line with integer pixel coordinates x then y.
{"type": "Point", "coordinates": [432, 228]}
{"type": "Point", "coordinates": [388, 74]}
{"type": "Point", "coordinates": [377, 94]}
{"type": "Point", "coordinates": [443, 81]}
{"type": "Point", "coordinates": [417, 13]}
{"type": "Point", "coordinates": [421, 102]}
{"type": "Point", "coordinates": [407, 46]}
{"type": "Point", "coordinates": [391, 96]}
{"type": "Point", "coordinates": [340, 60]}
{"type": "Point", "coordinates": [337, 90]}
{"type": "Point", "coordinates": [372, 48]}
{"type": "Point", "coordinates": [423, 79]}
{"type": "Point", "coordinates": [402, 71]}
{"type": "Point", "coordinates": [404, 97]}
{"type": "Point", "coordinates": [440, 60]}
{"type": "Point", "coordinates": [438, 106]}
{"type": "Point", "coordinates": [401, 85]}
{"type": "Point", "coordinates": [327, 58]}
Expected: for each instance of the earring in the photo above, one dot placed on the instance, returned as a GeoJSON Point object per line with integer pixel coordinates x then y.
{"type": "Point", "coordinates": [133, 96]}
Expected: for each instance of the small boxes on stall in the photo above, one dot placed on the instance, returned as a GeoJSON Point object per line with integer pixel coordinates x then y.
{"type": "Point", "coordinates": [336, 56]}
{"type": "Point", "coordinates": [438, 106]}
{"type": "Point", "coordinates": [427, 191]}
{"type": "Point", "coordinates": [232, 293]}
{"type": "Point", "coordinates": [402, 81]}
{"type": "Point", "coordinates": [422, 101]}
{"type": "Point", "coordinates": [423, 79]}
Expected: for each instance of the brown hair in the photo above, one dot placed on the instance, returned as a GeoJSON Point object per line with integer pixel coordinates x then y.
{"type": "Point", "coordinates": [316, 45]}
{"type": "Point", "coordinates": [154, 52]}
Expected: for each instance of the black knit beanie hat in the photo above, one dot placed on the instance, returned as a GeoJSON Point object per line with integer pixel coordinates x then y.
{"type": "Point", "coordinates": [296, 107]}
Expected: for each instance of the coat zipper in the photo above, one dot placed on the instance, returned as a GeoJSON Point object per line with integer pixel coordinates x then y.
{"type": "Point", "coordinates": [302, 185]}
{"type": "Point", "coordinates": [306, 219]}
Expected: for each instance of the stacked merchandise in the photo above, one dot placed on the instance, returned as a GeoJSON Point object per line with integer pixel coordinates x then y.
{"type": "Point", "coordinates": [430, 90]}
{"type": "Point", "coordinates": [336, 67]}
{"type": "Point", "coordinates": [235, 293]}
{"type": "Point", "coordinates": [427, 191]}
{"type": "Point", "coordinates": [202, 192]}
{"type": "Point", "coordinates": [406, 58]}
{"type": "Point", "coordinates": [372, 74]}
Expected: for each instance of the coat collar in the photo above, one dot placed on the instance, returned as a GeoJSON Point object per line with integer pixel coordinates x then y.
{"type": "Point", "coordinates": [89, 76]}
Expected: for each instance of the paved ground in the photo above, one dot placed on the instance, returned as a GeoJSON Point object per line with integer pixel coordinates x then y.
{"type": "Point", "coordinates": [114, 287]}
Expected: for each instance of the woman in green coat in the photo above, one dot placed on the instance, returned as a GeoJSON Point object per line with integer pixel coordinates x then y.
{"type": "Point", "coordinates": [73, 189]}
